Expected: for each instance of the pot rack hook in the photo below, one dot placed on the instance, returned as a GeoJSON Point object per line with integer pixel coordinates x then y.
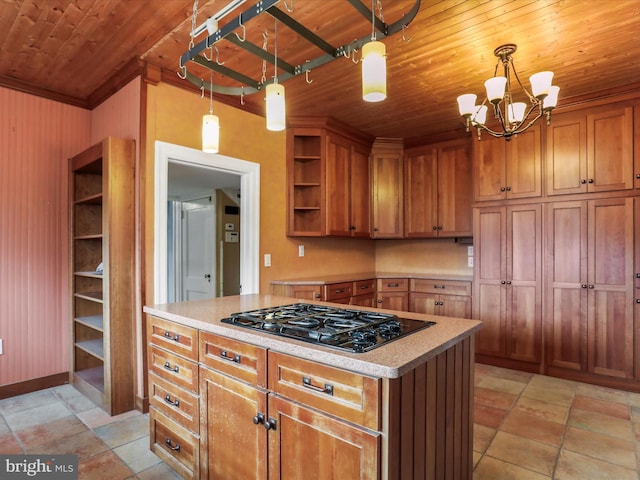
{"type": "Point", "coordinates": [242, 96]}
{"type": "Point", "coordinates": [404, 37]}
{"type": "Point", "coordinates": [218, 57]}
{"type": "Point", "coordinates": [244, 30]}
{"type": "Point", "coordinates": [306, 74]}
{"type": "Point", "coordinates": [289, 8]}
{"type": "Point", "coordinates": [201, 88]}
{"type": "Point", "coordinates": [183, 71]}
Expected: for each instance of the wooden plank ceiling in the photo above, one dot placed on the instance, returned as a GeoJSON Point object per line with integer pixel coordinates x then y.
{"type": "Point", "coordinates": [72, 49]}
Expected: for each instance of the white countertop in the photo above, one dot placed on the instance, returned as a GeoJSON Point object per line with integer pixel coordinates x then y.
{"type": "Point", "coordinates": [391, 360]}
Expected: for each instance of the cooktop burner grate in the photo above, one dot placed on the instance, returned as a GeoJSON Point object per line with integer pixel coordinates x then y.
{"type": "Point", "coordinates": [342, 328]}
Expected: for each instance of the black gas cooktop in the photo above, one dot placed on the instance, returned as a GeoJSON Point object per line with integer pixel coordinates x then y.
{"type": "Point", "coordinates": [342, 328]}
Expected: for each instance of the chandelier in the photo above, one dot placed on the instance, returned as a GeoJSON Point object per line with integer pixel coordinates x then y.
{"type": "Point", "coordinates": [512, 117]}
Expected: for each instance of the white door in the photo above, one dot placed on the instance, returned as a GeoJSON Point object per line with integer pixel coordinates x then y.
{"type": "Point", "coordinates": [198, 248]}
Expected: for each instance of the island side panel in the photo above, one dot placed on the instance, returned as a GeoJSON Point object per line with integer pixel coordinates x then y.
{"type": "Point", "coordinates": [428, 429]}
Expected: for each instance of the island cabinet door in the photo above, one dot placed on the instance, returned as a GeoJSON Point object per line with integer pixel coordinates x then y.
{"type": "Point", "coordinates": [233, 437]}
{"type": "Point", "coordinates": [304, 443]}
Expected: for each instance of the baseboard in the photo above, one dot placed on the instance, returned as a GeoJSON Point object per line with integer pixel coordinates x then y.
{"type": "Point", "coordinates": [28, 386]}
{"type": "Point", "coordinates": [142, 404]}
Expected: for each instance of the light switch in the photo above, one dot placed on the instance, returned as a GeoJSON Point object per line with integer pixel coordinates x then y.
{"type": "Point", "coordinates": [267, 259]}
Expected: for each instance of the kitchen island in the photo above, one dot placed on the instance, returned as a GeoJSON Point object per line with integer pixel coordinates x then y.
{"type": "Point", "coordinates": [229, 402]}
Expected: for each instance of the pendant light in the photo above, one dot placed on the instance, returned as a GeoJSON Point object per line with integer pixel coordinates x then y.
{"type": "Point", "coordinates": [210, 126]}
{"type": "Point", "coordinates": [276, 111]}
{"type": "Point", "coordinates": [374, 66]}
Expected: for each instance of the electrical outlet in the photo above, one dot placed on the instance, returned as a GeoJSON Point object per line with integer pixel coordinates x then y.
{"type": "Point", "coordinates": [267, 259]}
{"type": "Point", "coordinates": [301, 250]}
{"type": "Point", "coordinates": [470, 251]}
{"type": "Point", "coordinates": [469, 261]}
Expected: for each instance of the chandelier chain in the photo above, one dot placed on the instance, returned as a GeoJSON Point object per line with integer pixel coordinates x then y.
{"type": "Point", "coordinates": [265, 38]}
{"type": "Point", "coordinates": [193, 22]}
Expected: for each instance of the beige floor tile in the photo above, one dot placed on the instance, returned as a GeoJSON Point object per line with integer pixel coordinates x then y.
{"type": "Point", "coordinates": [10, 445]}
{"type": "Point", "coordinates": [488, 416]}
{"type": "Point", "coordinates": [574, 466]}
{"type": "Point", "coordinates": [159, 471]}
{"type": "Point", "coordinates": [603, 447]}
{"type": "Point", "coordinates": [533, 427]}
{"type": "Point", "coordinates": [529, 454]}
{"type": "Point", "coordinates": [545, 410]}
{"type": "Point", "coordinates": [85, 444]}
{"type": "Point", "coordinates": [50, 432]}
{"type": "Point", "coordinates": [501, 385]}
{"type": "Point", "coordinates": [602, 406]}
{"type": "Point", "coordinates": [486, 396]}
{"type": "Point", "coordinates": [515, 375]}
{"type": "Point", "coordinates": [482, 437]}
{"type": "Point", "coordinates": [104, 466]}
{"type": "Point", "coordinates": [39, 415]}
{"type": "Point", "coordinates": [137, 455]}
{"type": "Point", "coordinates": [552, 390]}
{"type": "Point", "coordinates": [602, 393]}
{"type": "Point", "coordinates": [125, 431]}
{"type": "Point", "coordinates": [494, 469]}
{"type": "Point", "coordinates": [20, 403]}
{"type": "Point", "coordinates": [596, 422]}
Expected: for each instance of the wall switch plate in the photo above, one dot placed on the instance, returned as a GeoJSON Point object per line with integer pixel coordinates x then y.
{"type": "Point", "coordinates": [470, 251]}
{"type": "Point", "coordinates": [301, 250]}
{"type": "Point", "coordinates": [267, 259]}
{"type": "Point", "coordinates": [469, 261]}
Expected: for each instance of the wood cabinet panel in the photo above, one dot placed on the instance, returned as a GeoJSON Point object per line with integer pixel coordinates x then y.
{"type": "Point", "coordinates": [231, 421]}
{"type": "Point", "coordinates": [636, 144]}
{"type": "Point", "coordinates": [174, 368]}
{"type": "Point", "coordinates": [360, 191]}
{"type": "Point", "coordinates": [175, 338]}
{"type": "Point", "coordinates": [421, 193]}
{"type": "Point", "coordinates": [174, 445]}
{"type": "Point", "coordinates": [341, 450]}
{"type": "Point", "coordinates": [590, 151]}
{"type": "Point", "coordinates": [176, 403]}
{"type": "Point", "coordinates": [489, 169]}
{"type": "Point", "coordinates": [387, 190]}
{"type": "Point", "coordinates": [338, 186]}
{"type": "Point", "coordinates": [589, 286]}
{"type": "Point", "coordinates": [454, 191]}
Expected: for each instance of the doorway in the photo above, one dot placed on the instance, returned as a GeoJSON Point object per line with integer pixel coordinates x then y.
{"type": "Point", "coordinates": [177, 158]}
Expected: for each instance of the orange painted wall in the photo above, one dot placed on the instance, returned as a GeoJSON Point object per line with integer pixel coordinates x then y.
{"type": "Point", "coordinates": [175, 117]}
{"type": "Point", "coordinates": [37, 136]}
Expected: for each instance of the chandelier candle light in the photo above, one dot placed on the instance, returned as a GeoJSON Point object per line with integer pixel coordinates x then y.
{"type": "Point", "coordinates": [210, 126]}
{"type": "Point", "coordinates": [274, 95]}
{"type": "Point", "coordinates": [513, 117]}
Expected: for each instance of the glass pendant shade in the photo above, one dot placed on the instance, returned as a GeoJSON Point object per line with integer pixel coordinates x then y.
{"type": "Point", "coordinates": [374, 72]}
{"type": "Point", "coordinates": [516, 112]}
{"type": "Point", "coordinates": [495, 88]}
{"type": "Point", "coordinates": [540, 84]}
{"type": "Point", "coordinates": [551, 100]}
{"type": "Point", "coordinates": [467, 104]}
{"type": "Point", "coordinates": [276, 114]}
{"type": "Point", "coordinates": [480, 116]}
{"type": "Point", "coordinates": [210, 133]}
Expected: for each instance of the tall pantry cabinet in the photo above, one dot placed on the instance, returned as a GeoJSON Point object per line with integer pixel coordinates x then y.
{"type": "Point", "coordinates": [101, 185]}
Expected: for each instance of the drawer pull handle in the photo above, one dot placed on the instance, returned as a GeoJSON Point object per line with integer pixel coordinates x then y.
{"type": "Point", "coordinates": [170, 336]}
{"type": "Point", "coordinates": [393, 285]}
{"type": "Point", "coordinates": [637, 275]}
{"type": "Point", "coordinates": [176, 448]}
{"type": "Point", "coordinates": [174, 403]}
{"type": "Point", "coordinates": [366, 287]}
{"type": "Point", "coordinates": [235, 358]}
{"type": "Point", "coordinates": [168, 366]}
{"type": "Point", "coordinates": [328, 388]}
{"type": "Point", "coordinates": [340, 290]}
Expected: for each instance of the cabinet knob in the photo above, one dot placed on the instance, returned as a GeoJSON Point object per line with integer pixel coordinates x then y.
{"type": "Point", "coordinates": [508, 282]}
{"type": "Point", "coordinates": [592, 286]}
{"type": "Point", "coordinates": [637, 300]}
{"type": "Point", "coordinates": [508, 189]}
{"type": "Point", "coordinates": [583, 181]}
{"type": "Point", "coordinates": [591, 180]}
{"type": "Point", "coordinates": [583, 286]}
{"type": "Point", "coordinates": [435, 228]}
{"type": "Point", "coordinates": [502, 189]}
{"type": "Point", "coordinates": [637, 275]}
{"type": "Point", "coordinates": [638, 176]}
{"type": "Point", "coordinates": [502, 282]}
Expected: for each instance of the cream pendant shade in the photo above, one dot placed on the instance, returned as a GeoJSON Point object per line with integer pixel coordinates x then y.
{"type": "Point", "coordinates": [210, 133]}
{"type": "Point", "coordinates": [276, 112]}
{"type": "Point", "coordinates": [374, 72]}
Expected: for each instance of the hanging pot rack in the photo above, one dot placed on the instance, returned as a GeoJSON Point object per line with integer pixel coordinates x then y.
{"type": "Point", "coordinates": [249, 85]}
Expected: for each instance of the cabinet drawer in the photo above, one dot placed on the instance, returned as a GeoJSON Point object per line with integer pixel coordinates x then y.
{"type": "Point", "coordinates": [448, 287]}
{"type": "Point", "coordinates": [241, 360]}
{"type": "Point", "coordinates": [175, 338]}
{"type": "Point", "coordinates": [336, 291]}
{"type": "Point", "coordinates": [348, 395]}
{"type": "Point", "coordinates": [364, 287]}
{"type": "Point", "coordinates": [175, 402]}
{"type": "Point", "coordinates": [175, 445]}
{"type": "Point", "coordinates": [393, 284]}
{"type": "Point", "coordinates": [174, 368]}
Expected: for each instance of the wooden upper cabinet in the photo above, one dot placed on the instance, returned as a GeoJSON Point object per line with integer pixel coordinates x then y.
{"type": "Point", "coordinates": [636, 145]}
{"type": "Point", "coordinates": [590, 151]}
{"type": "Point", "coordinates": [438, 191]}
{"type": "Point", "coordinates": [387, 189]}
{"type": "Point", "coordinates": [327, 178]}
{"type": "Point", "coordinates": [508, 169]}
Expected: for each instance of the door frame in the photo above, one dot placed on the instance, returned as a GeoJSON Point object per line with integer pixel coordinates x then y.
{"type": "Point", "coordinates": [249, 173]}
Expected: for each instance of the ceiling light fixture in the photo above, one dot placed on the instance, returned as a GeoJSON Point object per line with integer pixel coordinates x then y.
{"type": "Point", "coordinates": [374, 64]}
{"type": "Point", "coordinates": [513, 117]}
{"type": "Point", "coordinates": [276, 112]}
{"type": "Point", "coordinates": [210, 126]}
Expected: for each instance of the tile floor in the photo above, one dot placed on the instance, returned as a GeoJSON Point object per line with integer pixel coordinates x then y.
{"type": "Point", "coordinates": [526, 427]}
{"type": "Point", "coordinates": [536, 427]}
